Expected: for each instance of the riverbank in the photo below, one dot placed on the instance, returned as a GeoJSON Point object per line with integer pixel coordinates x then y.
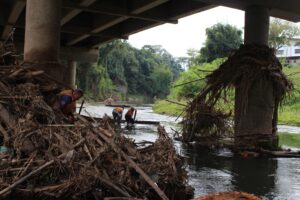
{"type": "Point", "coordinates": [288, 114]}
{"type": "Point", "coordinates": [290, 140]}
{"type": "Point", "coordinates": [216, 170]}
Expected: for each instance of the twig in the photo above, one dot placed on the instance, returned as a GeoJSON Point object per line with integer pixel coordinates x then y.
{"type": "Point", "coordinates": [175, 102]}
{"type": "Point", "coordinates": [86, 149]}
{"type": "Point", "coordinates": [81, 106]}
{"type": "Point", "coordinates": [28, 163]}
{"type": "Point", "coordinates": [64, 125]}
{"type": "Point", "coordinates": [113, 186]}
{"type": "Point", "coordinates": [200, 79]}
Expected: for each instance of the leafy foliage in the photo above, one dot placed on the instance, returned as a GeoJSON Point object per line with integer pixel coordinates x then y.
{"type": "Point", "coordinates": [123, 69]}
{"type": "Point", "coordinates": [192, 81]}
{"type": "Point", "coordinates": [221, 40]}
{"type": "Point", "coordinates": [281, 32]}
{"type": "Point", "coordinates": [94, 80]}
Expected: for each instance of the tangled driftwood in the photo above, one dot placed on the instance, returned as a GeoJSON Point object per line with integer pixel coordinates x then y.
{"type": "Point", "coordinates": [48, 159]}
{"type": "Point", "coordinates": [246, 66]}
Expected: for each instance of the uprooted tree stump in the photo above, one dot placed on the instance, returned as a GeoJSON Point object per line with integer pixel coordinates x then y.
{"type": "Point", "coordinates": [49, 159]}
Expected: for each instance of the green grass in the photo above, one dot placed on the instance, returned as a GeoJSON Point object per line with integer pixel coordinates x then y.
{"type": "Point", "coordinates": [289, 113]}
{"type": "Point", "coordinates": [289, 116]}
{"type": "Point", "coordinates": [291, 140]}
{"type": "Point", "coordinates": [165, 107]}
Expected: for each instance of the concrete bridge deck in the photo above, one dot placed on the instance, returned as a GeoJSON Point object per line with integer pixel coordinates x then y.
{"type": "Point", "coordinates": [72, 30]}
{"type": "Point", "coordinates": [85, 24]}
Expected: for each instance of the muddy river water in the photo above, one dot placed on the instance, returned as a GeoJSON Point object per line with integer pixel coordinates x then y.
{"type": "Point", "coordinates": [219, 170]}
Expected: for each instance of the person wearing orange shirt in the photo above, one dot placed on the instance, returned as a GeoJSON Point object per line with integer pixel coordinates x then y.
{"type": "Point", "coordinates": [117, 114]}
{"type": "Point", "coordinates": [67, 102]}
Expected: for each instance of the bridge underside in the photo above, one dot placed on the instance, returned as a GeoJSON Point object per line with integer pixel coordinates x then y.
{"type": "Point", "coordinates": [85, 24]}
{"type": "Point", "coordinates": [72, 30]}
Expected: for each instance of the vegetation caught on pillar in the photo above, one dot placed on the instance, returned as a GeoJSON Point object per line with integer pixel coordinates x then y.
{"type": "Point", "coordinates": [250, 63]}
{"type": "Point", "coordinates": [123, 70]}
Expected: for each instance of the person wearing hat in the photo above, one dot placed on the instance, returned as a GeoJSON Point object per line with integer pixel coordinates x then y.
{"type": "Point", "coordinates": [67, 102]}
{"type": "Point", "coordinates": [117, 114]}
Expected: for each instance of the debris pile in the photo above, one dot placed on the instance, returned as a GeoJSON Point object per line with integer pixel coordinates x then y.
{"type": "Point", "coordinates": [247, 65]}
{"type": "Point", "coordinates": [41, 157]}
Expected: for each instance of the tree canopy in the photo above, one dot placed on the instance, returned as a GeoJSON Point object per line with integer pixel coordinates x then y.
{"type": "Point", "coordinates": [221, 40]}
{"type": "Point", "coordinates": [123, 69]}
{"type": "Point", "coordinates": [281, 31]}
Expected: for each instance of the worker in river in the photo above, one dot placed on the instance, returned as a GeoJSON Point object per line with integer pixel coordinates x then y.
{"type": "Point", "coordinates": [67, 102]}
{"type": "Point", "coordinates": [117, 114]}
{"type": "Point", "coordinates": [130, 115]}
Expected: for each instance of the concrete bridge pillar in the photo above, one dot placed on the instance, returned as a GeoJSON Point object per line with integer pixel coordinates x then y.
{"type": "Point", "coordinates": [254, 124]}
{"type": "Point", "coordinates": [70, 74]}
{"type": "Point", "coordinates": [256, 25]}
{"type": "Point", "coordinates": [42, 35]}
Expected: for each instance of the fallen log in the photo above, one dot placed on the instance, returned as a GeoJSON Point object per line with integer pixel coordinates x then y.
{"type": "Point", "coordinates": [280, 154]}
{"type": "Point", "coordinates": [124, 121]}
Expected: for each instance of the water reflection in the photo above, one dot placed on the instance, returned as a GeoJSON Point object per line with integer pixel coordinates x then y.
{"type": "Point", "coordinates": [255, 176]}
{"type": "Point", "coordinates": [209, 171]}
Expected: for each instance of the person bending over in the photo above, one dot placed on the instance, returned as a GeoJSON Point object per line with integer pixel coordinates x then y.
{"type": "Point", "coordinates": [130, 115]}
{"type": "Point", "coordinates": [67, 102]}
{"type": "Point", "coordinates": [117, 114]}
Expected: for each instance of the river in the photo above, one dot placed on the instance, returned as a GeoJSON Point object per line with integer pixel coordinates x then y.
{"type": "Point", "coordinates": [219, 170]}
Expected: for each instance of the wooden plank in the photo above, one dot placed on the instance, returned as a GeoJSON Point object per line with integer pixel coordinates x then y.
{"type": "Point", "coordinates": [124, 121]}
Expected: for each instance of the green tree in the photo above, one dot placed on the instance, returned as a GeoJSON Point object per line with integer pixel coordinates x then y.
{"type": "Point", "coordinates": [193, 57]}
{"type": "Point", "coordinates": [281, 31]}
{"type": "Point", "coordinates": [123, 69]}
{"type": "Point", "coordinates": [161, 81]}
{"type": "Point", "coordinates": [94, 80]}
{"type": "Point", "coordinates": [221, 40]}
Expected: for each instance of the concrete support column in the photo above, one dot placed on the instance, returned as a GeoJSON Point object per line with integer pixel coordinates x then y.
{"type": "Point", "coordinates": [253, 123]}
{"type": "Point", "coordinates": [42, 35]}
{"type": "Point", "coordinates": [70, 74]}
{"type": "Point", "coordinates": [257, 21]}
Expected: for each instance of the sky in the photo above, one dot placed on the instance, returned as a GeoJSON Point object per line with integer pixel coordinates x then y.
{"type": "Point", "coordinates": [189, 32]}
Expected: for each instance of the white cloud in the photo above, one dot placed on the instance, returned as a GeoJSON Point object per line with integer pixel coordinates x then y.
{"type": "Point", "coordinates": [189, 32]}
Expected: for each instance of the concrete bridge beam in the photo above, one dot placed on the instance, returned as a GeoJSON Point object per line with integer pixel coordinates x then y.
{"type": "Point", "coordinates": [255, 121]}
{"type": "Point", "coordinates": [42, 35]}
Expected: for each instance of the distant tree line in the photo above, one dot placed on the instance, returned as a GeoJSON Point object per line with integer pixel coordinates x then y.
{"type": "Point", "coordinates": [123, 70]}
